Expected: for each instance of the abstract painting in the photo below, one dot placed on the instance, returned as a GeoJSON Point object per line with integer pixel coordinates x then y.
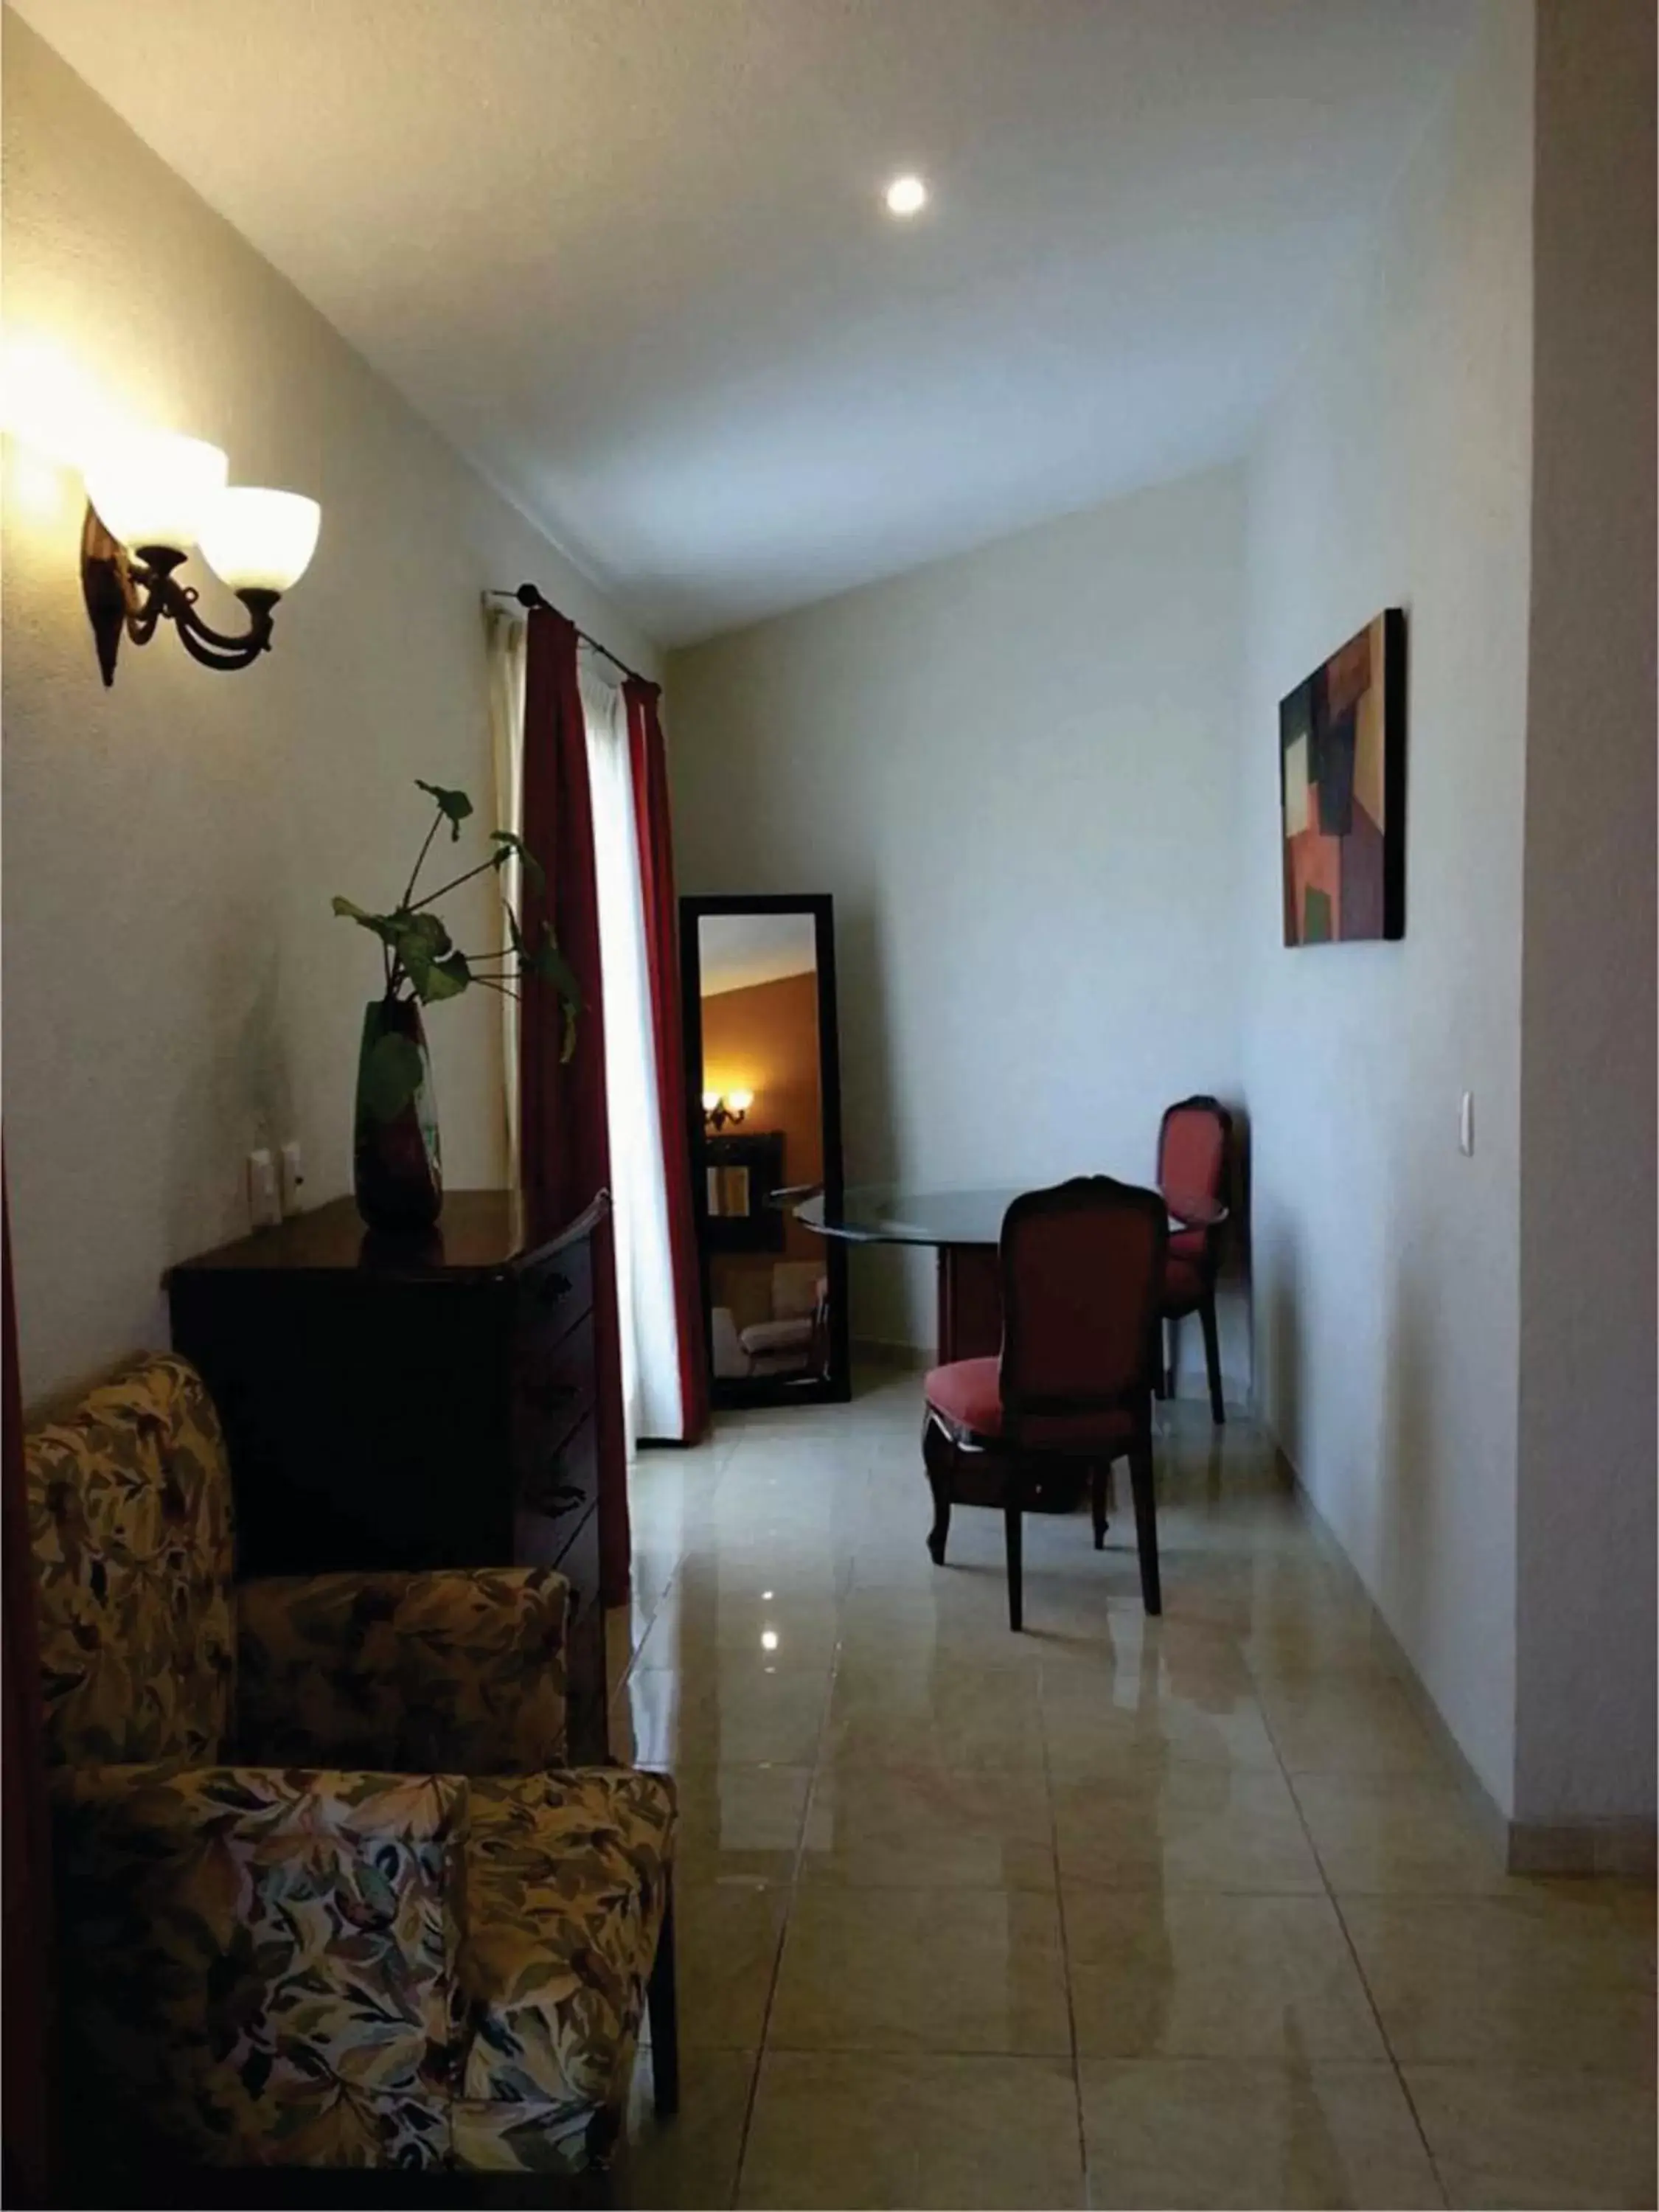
{"type": "Point", "coordinates": [1342, 792]}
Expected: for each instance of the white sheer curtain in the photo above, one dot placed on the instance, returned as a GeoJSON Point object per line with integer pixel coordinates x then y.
{"type": "Point", "coordinates": [645, 1273]}
{"type": "Point", "coordinates": [504, 632]}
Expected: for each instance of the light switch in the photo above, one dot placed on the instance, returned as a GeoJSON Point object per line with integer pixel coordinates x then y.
{"type": "Point", "coordinates": [1466, 1125]}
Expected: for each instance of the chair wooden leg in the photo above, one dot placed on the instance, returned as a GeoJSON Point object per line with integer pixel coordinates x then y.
{"type": "Point", "coordinates": [938, 1534]}
{"type": "Point", "coordinates": [939, 1481]}
{"type": "Point", "coordinates": [1016, 1536]}
{"type": "Point", "coordinates": [1098, 1476]}
{"type": "Point", "coordinates": [1212, 1357]}
{"type": "Point", "coordinates": [1171, 1341]}
{"type": "Point", "coordinates": [662, 2001]}
{"type": "Point", "coordinates": [1161, 1367]}
{"type": "Point", "coordinates": [1141, 1479]}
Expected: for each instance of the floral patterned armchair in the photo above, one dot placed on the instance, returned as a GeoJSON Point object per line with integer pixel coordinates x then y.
{"type": "Point", "coordinates": [326, 1895]}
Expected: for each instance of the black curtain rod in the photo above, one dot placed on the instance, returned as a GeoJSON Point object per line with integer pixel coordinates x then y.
{"type": "Point", "coordinates": [527, 595]}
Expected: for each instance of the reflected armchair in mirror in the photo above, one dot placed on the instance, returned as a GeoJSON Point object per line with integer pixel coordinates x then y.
{"type": "Point", "coordinates": [763, 1071]}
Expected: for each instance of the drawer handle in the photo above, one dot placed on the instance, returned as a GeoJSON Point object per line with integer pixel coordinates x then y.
{"type": "Point", "coordinates": [550, 1397]}
{"type": "Point", "coordinates": [559, 1499]}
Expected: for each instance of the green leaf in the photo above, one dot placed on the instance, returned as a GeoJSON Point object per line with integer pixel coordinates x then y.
{"type": "Point", "coordinates": [508, 841]}
{"type": "Point", "coordinates": [444, 979]}
{"type": "Point", "coordinates": [453, 805]}
{"type": "Point", "coordinates": [384, 926]}
{"type": "Point", "coordinates": [422, 942]}
{"type": "Point", "coordinates": [549, 964]}
{"type": "Point", "coordinates": [390, 1075]}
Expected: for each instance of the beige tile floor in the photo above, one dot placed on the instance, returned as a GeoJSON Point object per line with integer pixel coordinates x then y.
{"type": "Point", "coordinates": [1190, 1913]}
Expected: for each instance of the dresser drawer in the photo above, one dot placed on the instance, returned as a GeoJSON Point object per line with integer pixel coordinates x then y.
{"type": "Point", "coordinates": [553, 1494]}
{"type": "Point", "coordinates": [552, 1392]}
{"type": "Point", "coordinates": [584, 1644]}
{"type": "Point", "coordinates": [553, 1296]}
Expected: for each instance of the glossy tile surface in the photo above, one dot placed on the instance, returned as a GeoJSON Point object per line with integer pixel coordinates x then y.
{"type": "Point", "coordinates": [1192, 1975]}
{"type": "Point", "coordinates": [1553, 1972]}
{"type": "Point", "coordinates": [1225, 2132]}
{"type": "Point", "coordinates": [963, 1970]}
{"type": "Point", "coordinates": [845, 2128]}
{"type": "Point", "coordinates": [1123, 1912]}
{"type": "Point", "coordinates": [1543, 2136]}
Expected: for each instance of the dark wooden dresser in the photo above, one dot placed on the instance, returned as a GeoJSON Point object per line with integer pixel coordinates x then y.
{"type": "Point", "coordinates": [411, 1404]}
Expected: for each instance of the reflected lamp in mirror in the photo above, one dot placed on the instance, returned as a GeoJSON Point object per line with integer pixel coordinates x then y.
{"type": "Point", "coordinates": [151, 496]}
{"type": "Point", "coordinates": [726, 1109]}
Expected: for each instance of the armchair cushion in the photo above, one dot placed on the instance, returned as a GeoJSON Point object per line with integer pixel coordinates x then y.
{"type": "Point", "coordinates": [567, 1877]}
{"type": "Point", "coordinates": [311, 1962]}
{"type": "Point", "coordinates": [260, 1963]}
{"type": "Point", "coordinates": [764, 1337]}
{"type": "Point", "coordinates": [457, 1669]}
{"type": "Point", "coordinates": [128, 1504]}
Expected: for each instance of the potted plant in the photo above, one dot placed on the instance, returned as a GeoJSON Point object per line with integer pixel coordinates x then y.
{"type": "Point", "coordinates": [398, 1171]}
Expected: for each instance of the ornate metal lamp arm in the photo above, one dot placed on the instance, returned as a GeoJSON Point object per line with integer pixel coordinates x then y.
{"type": "Point", "coordinates": [134, 599]}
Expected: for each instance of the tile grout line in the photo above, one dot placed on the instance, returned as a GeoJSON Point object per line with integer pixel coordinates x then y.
{"type": "Point", "coordinates": [1335, 1904]}
{"type": "Point", "coordinates": [1065, 1943]}
{"type": "Point", "coordinates": [792, 1890]}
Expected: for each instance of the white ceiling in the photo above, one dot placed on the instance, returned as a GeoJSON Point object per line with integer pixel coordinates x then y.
{"type": "Point", "coordinates": [631, 254]}
{"type": "Point", "coordinates": [735, 951]}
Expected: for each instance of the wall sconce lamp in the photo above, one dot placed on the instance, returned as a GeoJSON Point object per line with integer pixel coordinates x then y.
{"type": "Point", "coordinates": [151, 495]}
{"type": "Point", "coordinates": [721, 1109]}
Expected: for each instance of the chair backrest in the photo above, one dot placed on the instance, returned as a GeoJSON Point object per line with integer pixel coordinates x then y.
{"type": "Point", "coordinates": [1081, 1265]}
{"type": "Point", "coordinates": [130, 1523]}
{"type": "Point", "coordinates": [1193, 1140]}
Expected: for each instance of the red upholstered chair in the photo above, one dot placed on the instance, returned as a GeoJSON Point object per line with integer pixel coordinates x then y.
{"type": "Point", "coordinates": [1081, 1265]}
{"type": "Point", "coordinates": [1194, 1141]}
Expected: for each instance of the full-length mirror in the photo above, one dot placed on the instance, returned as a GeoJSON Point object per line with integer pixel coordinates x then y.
{"type": "Point", "coordinates": [763, 1066]}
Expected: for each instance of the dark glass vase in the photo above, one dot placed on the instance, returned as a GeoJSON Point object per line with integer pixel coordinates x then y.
{"type": "Point", "coordinates": [398, 1172]}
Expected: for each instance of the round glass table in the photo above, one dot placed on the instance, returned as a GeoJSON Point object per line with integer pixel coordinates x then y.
{"type": "Point", "coordinates": [963, 1227]}
{"type": "Point", "coordinates": [899, 1213]}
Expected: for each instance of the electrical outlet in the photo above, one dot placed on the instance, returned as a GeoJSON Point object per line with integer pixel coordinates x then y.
{"type": "Point", "coordinates": [1466, 1125]}
{"type": "Point", "coordinates": [264, 1203]}
{"type": "Point", "coordinates": [293, 1175]}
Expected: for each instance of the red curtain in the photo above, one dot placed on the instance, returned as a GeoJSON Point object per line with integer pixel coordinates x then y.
{"type": "Point", "coordinates": [564, 1134]}
{"type": "Point", "coordinates": [650, 778]}
{"type": "Point", "coordinates": [23, 1814]}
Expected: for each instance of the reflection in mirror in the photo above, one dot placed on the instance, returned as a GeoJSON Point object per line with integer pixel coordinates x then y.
{"type": "Point", "coordinates": [772, 1285]}
{"type": "Point", "coordinates": [728, 1193]}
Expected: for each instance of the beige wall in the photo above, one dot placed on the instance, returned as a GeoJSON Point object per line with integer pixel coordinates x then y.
{"type": "Point", "coordinates": [1585, 1741]}
{"type": "Point", "coordinates": [1396, 471]}
{"type": "Point", "coordinates": [1017, 773]}
{"type": "Point", "coordinates": [175, 987]}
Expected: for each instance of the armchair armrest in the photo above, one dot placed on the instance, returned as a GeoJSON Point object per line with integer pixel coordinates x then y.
{"type": "Point", "coordinates": [259, 1964]}
{"type": "Point", "coordinates": [459, 1671]}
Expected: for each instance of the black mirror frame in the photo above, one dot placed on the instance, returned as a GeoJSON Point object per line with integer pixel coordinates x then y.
{"type": "Point", "coordinates": [835, 1387]}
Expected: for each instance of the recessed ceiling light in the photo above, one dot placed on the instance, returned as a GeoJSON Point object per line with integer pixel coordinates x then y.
{"type": "Point", "coordinates": [906, 195]}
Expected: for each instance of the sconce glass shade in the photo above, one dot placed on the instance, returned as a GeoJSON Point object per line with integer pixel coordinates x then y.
{"type": "Point", "coordinates": [711, 1099]}
{"type": "Point", "coordinates": [154, 488]}
{"type": "Point", "coordinates": [740, 1101]}
{"type": "Point", "coordinates": [259, 540]}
